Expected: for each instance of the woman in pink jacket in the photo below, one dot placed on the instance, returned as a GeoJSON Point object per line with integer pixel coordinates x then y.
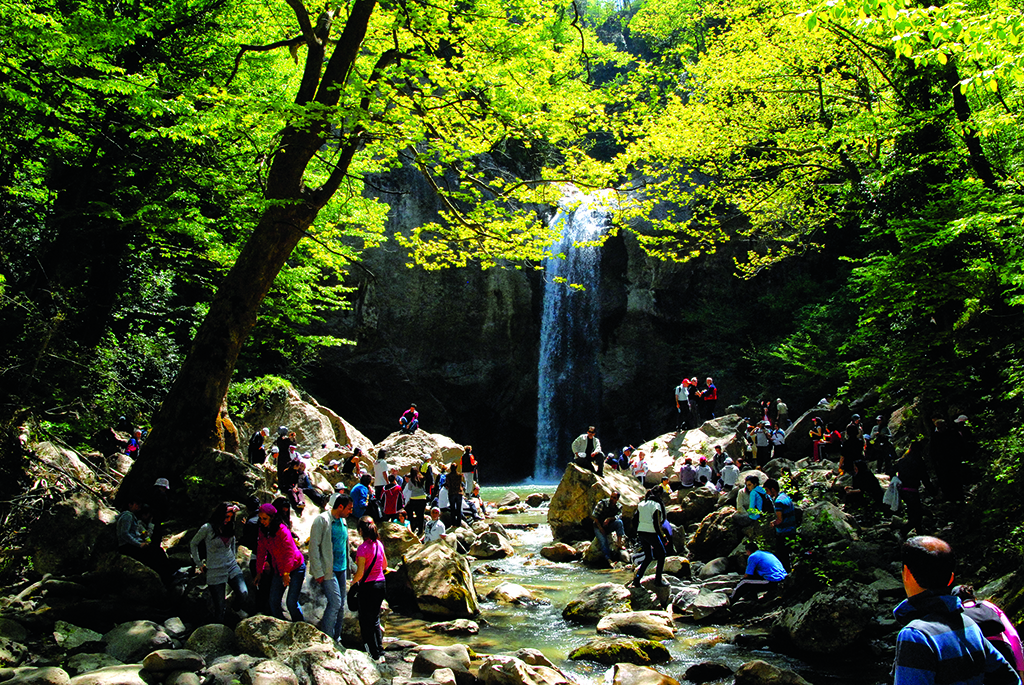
{"type": "Point", "coordinates": [289, 566]}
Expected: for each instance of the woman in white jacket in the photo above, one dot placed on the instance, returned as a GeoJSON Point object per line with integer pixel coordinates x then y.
{"type": "Point", "coordinates": [221, 565]}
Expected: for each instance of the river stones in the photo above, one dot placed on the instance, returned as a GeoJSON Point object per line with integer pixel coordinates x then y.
{"type": "Point", "coordinates": [229, 669]}
{"type": "Point", "coordinates": [132, 640]}
{"type": "Point", "coordinates": [706, 671]}
{"type": "Point", "coordinates": [762, 673]}
{"type": "Point", "coordinates": [831, 620]}
{"type": "Point", "coordinates": [323, 665]}
{"type": "Point", "coordinates": [165, 660]}
{"type": "Point", "coordinates": [442, 582]}
{"type": "Point", "coordinates": [85, 662]}
{"type": "Point", "coordinates": [651, 625]}
{"type": "Point", "coordinates": [460, 626]}
{"type": "Point", "coordinates": [509, 499]}
{"type": "Point", "coordinates": [534, 657]}
{"type": "Point", "coordinates": [46, 675]}
{"type": "Point", "coordinates": [510, 593]}
{"type": "Point", "coordinates": [212, 640]}
{"type": "Point", "coordinates": [596, 602]}
{"type": "Point", "coordinates": [508, 670]}
{"type": "Point", "coordinates": [269, 672]}
{"type": "Point", "coordinates": [825, 523]}
{"type": "Point", "coordinates": [577, 493]}
{"type": "Point", "coordinates": [614, 650]}
{"type": "Point", "coordinates": [707, 603]}
{"type": "Point", "coordinates": [276, 639]}
{"type": "Point", "coordinates": [715, 567]}
{"type": "Point", "coordinates": [560, 552]}
{"type": "Point", "coordinates": [125, 674]}
{"type": "Point", "coordinates": [490, 545]}
{"type": "Point", "coordinates": [631, 674]}
{"type": "Point", "coordinates": [678, 566]}
{"type": "Point", "coordinates": [693, 506]}
{"type": "Point", "coordinates": [535, 499]}
{"type": "Point", "coordinates": [455, 657]}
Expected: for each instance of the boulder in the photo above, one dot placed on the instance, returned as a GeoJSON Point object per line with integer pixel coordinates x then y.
{"type": "Point", "coordinates": [830, 621]}
{"type": "Point", "coordinates": [213, 640]}
{"type": "Point", "coordinates": [64, 538]}
{"type": "Point", "coordinates": [182, 678]}
{"type": "Point", "coordinates": [666, 452]}
{"type": "Point", "coordinates": [58, 458]}
{"type": "Point", "coordinates": [684, 597]}
{"type": "Point", "coordinates": [560, 552]}
{"type": "Point", "coordinates": [442, 582]}
{"type": "Point", "coordinates": [132, 581]}
{"type": "Point", "coordinates": [509, 499]}
{"type": "Point", "coordinates": [706, 671]}
{"type": "Point", "coordinates": [325, 665]}
{"type": "Point", "coordinates": [716, 536]}
{"type": "Point", "coordinates": [631, 674]}
{"type": "Point", "coordinates": [46, 675]}
{"type": "Point", "coordinates": [578, 492]}
{"type": "Point", "coordinates": [460, 626]}
{"type": "Point", "coordinates": [490, 545]}
{"type": "Point", "coordinates": [406, 451]}
{"type": "Point", "coordinates": [70, 637]}
{"type": "Point", "coordinates": [776, 467]}
{"type": "Point", "coordinates": [762, 673]}
{"type": "Point", "coordinates": [534, 657]}
{"type": "Point", "coordinates": [175, 627]}
{"type": "Point", "coordinates": [678, 566]}
{"type": "Point", "coordinates": [490, 525]}
{"type": "Point", "coordinates": [276, 639]}
{"type": "Point", "coordinates": [614, 650]}
{"type": "Point", "coordinates": [455, 657]}
{"type": "Point", "coordinates": [508, 670]}
{"type": "Point", "coordinates": [707, 603]}
{"type": "Point", "coordinates": [825, 523]}
{"type": "Point", "coordinates": [652, 625]}
{"type": "Point", "coordinates": [397, 540]}
{"type": "Point", "coordinates": [510, 593]}
{"type": "Point", "coordinates": [715, 567]}
{"type": "Point", "coordinates": [12, 630]}
{"type": "Point", "coordinates": [166, 660]}
{"type": "Point", "coordinates": [85, 662]}
{"type": "Point", "coordinates": [535, 499]}
{"type": "Point", "coordinates": [131, 641]}
{"type": "Point", "coordinates": [229, 669]}
{"type": "Point", "coordinates": [217, 476]}
{"type": "Point", "coordinates": [693, 506]}
{"type": "Point", "coordinates": [596, 602]}
{"type": "Point", "coordinates": [126, 674]}
{"type": "Point", "coordinates": [269, 672]}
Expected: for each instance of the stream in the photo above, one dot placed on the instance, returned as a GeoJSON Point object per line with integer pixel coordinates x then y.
{"type": "Point", "coordinates": [505, 628]}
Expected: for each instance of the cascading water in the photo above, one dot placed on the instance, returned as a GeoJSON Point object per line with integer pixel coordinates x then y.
{"type": "Point", "coordinates": [568, 378]}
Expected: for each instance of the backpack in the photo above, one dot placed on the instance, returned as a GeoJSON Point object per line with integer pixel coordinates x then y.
{"type": "Point", "coordinates": [373, 509]}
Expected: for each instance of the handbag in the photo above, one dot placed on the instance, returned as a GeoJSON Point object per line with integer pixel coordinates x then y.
{"type": "Point", "coordinates": [353, 594]}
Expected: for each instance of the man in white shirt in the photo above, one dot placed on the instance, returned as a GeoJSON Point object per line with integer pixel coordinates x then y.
{"type": "Point", "coordinates": [683, 405]}
{"type": "Point", "coordinates": [380, 473]}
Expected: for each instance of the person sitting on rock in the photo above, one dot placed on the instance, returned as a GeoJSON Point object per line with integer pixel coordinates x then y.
{"type": "Point", "coordinates": [607, 516]}
{"type": "Point", "coordinates": [785, 521]}
{"type": "Point", "coordinates": [584, 449]}
{"type": "Point", "coordinates": [434, 530]}
{"type": "Point", "coordinates": [687, 474]}
{"type": "Point", "coordinates": [764, 572]}
{"type": "Point", "coordinates": [133, 540]}
{"type": "Point", "coordinates": [409, 420]}
{"type": "Point", "coordinates": [351, 466]}
{"type": "Point", "coordinates": [703, 469]}
{"type": "Point", "coordinates": [640, 467]}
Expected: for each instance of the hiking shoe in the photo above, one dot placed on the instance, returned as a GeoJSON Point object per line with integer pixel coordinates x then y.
{"type": "Point", "coordinates": [660, 582]}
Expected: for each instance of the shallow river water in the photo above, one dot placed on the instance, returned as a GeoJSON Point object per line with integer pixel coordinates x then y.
{"type": "Point", "coordinates": [506, 628]}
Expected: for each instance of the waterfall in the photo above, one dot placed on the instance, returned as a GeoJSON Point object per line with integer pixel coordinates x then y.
{"type": "Point", "coordinates": [568, 378]}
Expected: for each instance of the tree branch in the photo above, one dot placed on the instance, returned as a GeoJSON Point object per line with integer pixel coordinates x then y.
{"type": "Point", "coordinates": [242, 49]}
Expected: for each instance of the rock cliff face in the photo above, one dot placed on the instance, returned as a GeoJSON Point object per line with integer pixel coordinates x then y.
{"type": "Point", "coordinates": [463, 343]}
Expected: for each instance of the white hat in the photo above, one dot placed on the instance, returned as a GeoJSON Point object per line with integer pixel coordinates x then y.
{"type": "Point", "coordinates": [275, 450]}
{"type": "Point", "coordinates": [163, 482]}
{"type": "Point", "coordinates": [728, 460]}
{"type": "Point", "coordinates": [960, 419]}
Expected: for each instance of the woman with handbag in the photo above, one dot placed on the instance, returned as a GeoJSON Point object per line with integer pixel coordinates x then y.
{"type": "Point", "coordinates": [367, 590]}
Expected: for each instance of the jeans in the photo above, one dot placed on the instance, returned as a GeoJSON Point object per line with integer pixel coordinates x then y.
{"type": "Point", "coordinates": [455, 509]}
{"type": "Point", "coordinates": [371, 596]}
{"type": "Point", "coordinates": [416, 508]}
{"type": "Point", "coordinates": [653, 549]}
{"type": "Point", "coordinates": [334, 616]}
{"type": "Point", "coordinates": [217, 596]}
{"type": "Point", "coordinates": [294, 587]}
{"type": "Point", "coordinates": [602, 538]}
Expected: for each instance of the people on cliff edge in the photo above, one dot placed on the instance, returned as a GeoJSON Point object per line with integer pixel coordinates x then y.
{"type": "Point", "coordinates": [607, 516]}
{"type": "Point", "coordinates": [938, 641]}
{"type": "Point", "coordinates": [682, 395]}
{"type": "Point", "coordinates": [764, 571]}
{"type": "Point", "coordinates": [409, 421]}
{"type": "Point", "coordinates": [586, 450]}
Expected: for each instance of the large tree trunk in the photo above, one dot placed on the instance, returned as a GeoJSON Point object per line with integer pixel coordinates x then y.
{"type": "Point", "coordinates": [184, 427]}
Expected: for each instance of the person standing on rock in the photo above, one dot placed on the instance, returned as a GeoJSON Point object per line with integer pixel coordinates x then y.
{"type": "Point", "coordinates": [328, 561]}
{"type": "Point", "coordinates": [415, 494]}
{"type": "Point", "coordinates": [782, 412]}
{"type": "Point", "coordinates": [682, 395]}
{"type": "Point", "coordinates": [764, 572]}
{"type": "Point", "coordinates": [696, 404]}
{"type": "Point", "coordinates": [409, 420]}
{"type": "Point", "coordinates": [361, 495]}
{"type": "Point", "coordinates": [221, 565]}
{"type": "Point", "coordinates": [453, 483]}
{"type": "Point", "coordinates": [275, 544]}
{"type": "Point", "coordinates": [710, 399]}
{"type": "Point", "coordinates": [938, 642]}
{"type": "Point", "coordinates": [607, 515]}
{"type": "Point", "coordinates": [586, 448]}
{"type": "Point", "coordinates": [650, 517]}
{"type": "Point", "coordinates": [380, 473]}
{"type": "Point", "coordinates": [370, 565]}
{"type": "Point", "coordinates": [468, 468]}
{"type": "Point", "coordinates": [257, 452]}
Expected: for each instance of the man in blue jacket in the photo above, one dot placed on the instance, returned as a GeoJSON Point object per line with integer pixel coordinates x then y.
{"type": "Point", "coordinates": [938, 643]}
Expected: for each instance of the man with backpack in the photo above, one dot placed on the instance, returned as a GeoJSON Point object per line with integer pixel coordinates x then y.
{"type": "Point", "coordinates": [787, 518]}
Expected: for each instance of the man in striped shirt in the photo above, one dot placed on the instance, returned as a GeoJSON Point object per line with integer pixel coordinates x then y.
{"type": "Point", "coordinates": [938, 644]}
